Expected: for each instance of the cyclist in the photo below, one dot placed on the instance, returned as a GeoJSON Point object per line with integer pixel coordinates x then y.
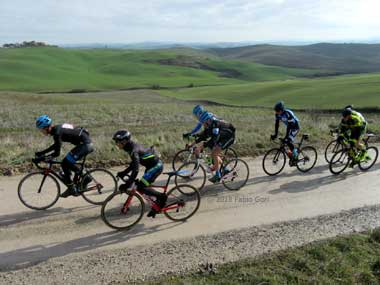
{"type": "Point", "coordinates": [148, 158]}
{"type": "Point", "coordinates": [292, 126]}
{"type": "Point", "coordinates": [65, 133]}
{"type": "Point", "coordinates": [353, 127]}
{"type": "Point", "coordinates": [198, 110]}
{"type": "Point", "coordinates": [220, 135]}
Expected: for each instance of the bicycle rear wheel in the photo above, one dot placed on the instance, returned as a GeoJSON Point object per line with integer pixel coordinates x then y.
{"type": "Point", "coordinates": [274, 161]}
{"type": "Point", "coordinates": [97, 184]}
{"type": "Point", "coordinates": [307, 158]}
{"type": "Point", "coordinates": [332, 148]}
{"type": "Point", "coordinates": [181, 157]}
{"type": "Point", "coordinates": [339, 162]}
{"type": "Point", "coordinates": [236, 174]}
{"type": "Point", "coordinates": [183, 202]}
{"type": "Point", "coordinates": [192, 173]}
{"type": "Point", "coordinates": [370, 160]}
{"type": "Point", "coordinates": [117, 215]}
{"type": "Point", "coordinates": [38, 191]}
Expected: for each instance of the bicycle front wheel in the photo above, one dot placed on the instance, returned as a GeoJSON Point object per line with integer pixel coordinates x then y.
{"type": "Point", "coordinates": [183, 202]}
{"type": "Point", "coordinates": [39, 191]}
{"type": "Point", "coordinates": [307, 158]}
{"type": "Point", "coordinates": [121, 211]}
{"type": "Point", "coordinates": [274, 161]}
{"type": "Point", "coordinates": [370, 158]}
{"type": "Point", "coordinates": [97, 184]}
{"type": "Point", "coordinates": [332, 148]}
{"type": "Point", "coordinates": [191, 173]}
{"type": "Point", "coordinates": [339, 162]}
{"type": "Point", "coordinates": [180, 158]}
{"type": "Point", "coordinates": [235, 174]}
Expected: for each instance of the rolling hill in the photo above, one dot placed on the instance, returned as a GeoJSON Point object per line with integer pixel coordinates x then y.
{"type": "Point", "coordinates": [333, 58]}
{"type": "Point", "coordinates": [57, 69]}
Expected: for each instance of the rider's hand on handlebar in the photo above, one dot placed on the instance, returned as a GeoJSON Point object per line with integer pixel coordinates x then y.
{"type": "Point", "coordinates": [186, 135]}
{"type": "Point", "coordinates": [121, 174]}
{"type": "Point", "coordinates": [273, 137]}
{"type": "Point", "coordinates": [38, 159]}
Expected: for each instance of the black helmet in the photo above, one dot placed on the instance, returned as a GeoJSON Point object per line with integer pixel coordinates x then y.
{"type": "Point", "coordinates": [346, 111]}
{"type": "Point", "coordinates": [279, 106]}
{"type": "Point", "coordinates": [121, 135]}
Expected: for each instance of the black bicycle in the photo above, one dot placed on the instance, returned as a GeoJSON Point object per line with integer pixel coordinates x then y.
{"type": "Point", "coordinates": [275, 159]}
{"type": "Point", "coordinates": [40, 189]}
{"type": "Point", "coordinates": [348, 155]}
{"type": "Point", "coordinates": [334, 146]}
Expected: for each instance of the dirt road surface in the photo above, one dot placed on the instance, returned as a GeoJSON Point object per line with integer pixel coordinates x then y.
{"type": "Point", "coordinates": [71, 232]}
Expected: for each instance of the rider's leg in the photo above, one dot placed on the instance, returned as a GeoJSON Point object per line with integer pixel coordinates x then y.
{"type": "Point", "coordinates": [199, 149]}
{"type": "Point", "coordinates": [292, 135]}
{"type": "Point", "coordinates": [149, 177]}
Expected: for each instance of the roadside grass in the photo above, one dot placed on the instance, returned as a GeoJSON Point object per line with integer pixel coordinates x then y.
{"type": "Point", "coordinates": [323, 93]}
{"type": "Point", "coordinates": [153, 120]}
{"type": "Point", "coordinates": [353, 259]}
{"type": "Point", "coordinates": [63, 70]}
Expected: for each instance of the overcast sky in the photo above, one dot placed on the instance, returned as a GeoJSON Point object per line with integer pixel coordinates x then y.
{"type": "Point", "coordinates": [126, 21]}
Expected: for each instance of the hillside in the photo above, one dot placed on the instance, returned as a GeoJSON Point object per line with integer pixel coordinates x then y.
{"type": "Point", "coordinates": [324, 93]}
{"type": "Point", "coordinates": [333, 58]}
{"type": "Point", "coordinates": [57, 69]}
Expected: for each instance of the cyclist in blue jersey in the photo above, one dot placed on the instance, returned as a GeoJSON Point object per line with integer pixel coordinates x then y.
{"type": "Point", "coordinates": [217, 135]}
{"type": "Point", "coordinates": [292, 126]}
{"type": "Point", "coordinates": [198, 110]}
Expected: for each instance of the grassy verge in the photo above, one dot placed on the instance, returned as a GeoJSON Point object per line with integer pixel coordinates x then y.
{"type": "Point", "coordinates": [353, 259]}
{"type": "Point", "coordinates": [152, 119]}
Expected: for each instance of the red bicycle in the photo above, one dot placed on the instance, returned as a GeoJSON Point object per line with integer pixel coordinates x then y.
{"type": "Point", "coordinates": [123, 210]}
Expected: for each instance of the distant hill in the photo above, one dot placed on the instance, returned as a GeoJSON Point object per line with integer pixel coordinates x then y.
{"type": "Point", "coordinates": [339, 58]}
{"type": "Point", "coordinates": [78, 70]}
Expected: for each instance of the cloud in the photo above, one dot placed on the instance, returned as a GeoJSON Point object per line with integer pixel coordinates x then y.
{"type": "Point", "coordinates": [71, 21]}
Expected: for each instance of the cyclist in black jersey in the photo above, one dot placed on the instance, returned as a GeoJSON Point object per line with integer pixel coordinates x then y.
{"type": "Point", "coordinates": [148, 158]}
{"type": "Point", "coordinates": [65, 133]}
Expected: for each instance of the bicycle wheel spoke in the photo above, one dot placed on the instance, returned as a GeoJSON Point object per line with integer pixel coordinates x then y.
{"type": "Point", "coordinates": [274, 161]}
{"type": "Point", "coordinates": [191, 173]}
{"type": "Point", "coordinates": [38, 191]}
{"type": "Point", "coordinates": [307, 158]}
{"type": "Point", "coordinates": [236, 174]}
{"type": "Point", "coordinates": [118, 214]}
{"type": "Point", "coordinates": [97, 185]}
{"type": "Point", "coordinates": [183, 201]}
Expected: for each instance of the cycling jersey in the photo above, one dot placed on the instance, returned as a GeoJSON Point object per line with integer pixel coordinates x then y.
{"type": "Point", "coordinates": [147, 157]}
{"type": "Point", "coordinates": [219, 132]}
{"type": "Point", "coordinates": [66, 133]}
{"type": "Point", "coordinates": [290, 120]}
{"type": "Point", "coordinates": [356, 124]}
{"type": "Point", "coordinates": [356, 120]}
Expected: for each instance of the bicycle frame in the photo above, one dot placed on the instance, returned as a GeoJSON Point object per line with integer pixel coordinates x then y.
{"type": "Point", "coordinates": [48, 170]}
{"type": "Point", "coordinates": [147, 198]}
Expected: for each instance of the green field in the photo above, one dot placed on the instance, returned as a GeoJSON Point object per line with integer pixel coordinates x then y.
{"type": "Point", "coordinates": [324, 93]}
{"type": "Point", "coordinates": [343, 260]}
{"type": "Point", "coordinates": [63, 70]}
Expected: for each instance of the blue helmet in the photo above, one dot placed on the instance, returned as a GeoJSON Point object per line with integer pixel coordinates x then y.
{"type": "Point", "coordinates": [43, 121]}
{"type": "Point", "coordinates": [198, 110]}
{"type": "Point", "coordinates": [206, 116]}
{"type": "Point", "coordinates": [280, 106]}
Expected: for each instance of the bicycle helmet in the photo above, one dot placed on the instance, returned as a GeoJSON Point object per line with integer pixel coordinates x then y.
{"type": "Point", "coordinates": [346, 111]}
{"type": "Point", "coordinates": [280, 106]}
{"type": "Point", "coordinates": [198, 110]}
{"type": "Point", "coordinates": [121, 135]}
{"type": "Point", "coordinates": [206, 116]}
{"type": "Point", "coordinates": [43, 121]}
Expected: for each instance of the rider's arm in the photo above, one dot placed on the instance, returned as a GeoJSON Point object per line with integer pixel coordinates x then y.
{"type": "Point", "coordinates": [196, 129]}
{"type": "Point", "coordinates": [133, 167]}
{"type": "Point", "coordinates": [276, 126]}
{"type": "Point", "coordinates": [56, 147]}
